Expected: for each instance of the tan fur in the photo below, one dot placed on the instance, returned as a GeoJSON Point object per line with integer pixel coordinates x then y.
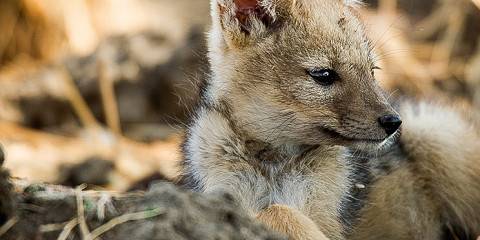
{"type": "Point", "coordinates": [292, 151]}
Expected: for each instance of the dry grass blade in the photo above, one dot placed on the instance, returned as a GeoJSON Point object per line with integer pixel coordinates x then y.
{"type": "Point", "coordinates": [87, 235]}
{"type": "Point", "coordinates": [108, 98]}
{"type": "Point", "coordinates": [53, 227]}
{"type": "Point", "coordinates": [68, 229]}
{"type": "Point", "coordinates": [444, 48]}
{"type": "Point", "coordinates": [9, 224]}
{"type": "Point", "coordinates": [8, 30]}
{"type": "Point", "coordinates": [81, 212]}
{"type": "Point", "coordinates": [433, 23]}
{"type": "Point", "coordinates": [123, 219]}
{"type": "Point", "coordinates": [78, 103]}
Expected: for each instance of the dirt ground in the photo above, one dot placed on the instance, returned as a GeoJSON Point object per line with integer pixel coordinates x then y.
{"type": "Point", "coordinates": [123, 90]}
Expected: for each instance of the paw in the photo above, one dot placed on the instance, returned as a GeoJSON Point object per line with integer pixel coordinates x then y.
{"type": "Point", "coordinates": [291, 222]}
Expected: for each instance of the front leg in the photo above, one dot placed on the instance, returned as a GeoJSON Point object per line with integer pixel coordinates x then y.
{"type": "Point", "coordinates": [291, 222]}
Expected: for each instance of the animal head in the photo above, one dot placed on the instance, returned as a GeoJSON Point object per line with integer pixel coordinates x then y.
{"type": "Point", "coordinates": [298, 71]}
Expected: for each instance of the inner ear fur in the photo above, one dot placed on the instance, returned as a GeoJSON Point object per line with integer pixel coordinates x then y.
{"type": "Point", "coordinates": [246, 17]}
{"type": "Point", "coordinates": [247, 11]}
{"type": "Point", "coordinates": [353, 3]}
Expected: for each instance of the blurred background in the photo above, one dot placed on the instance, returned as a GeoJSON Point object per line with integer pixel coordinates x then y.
{"type": "Point", "coordinates": [99, 91]}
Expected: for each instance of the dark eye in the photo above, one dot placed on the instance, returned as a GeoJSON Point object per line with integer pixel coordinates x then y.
{"type": "Point", "coordinates": [324, 77]}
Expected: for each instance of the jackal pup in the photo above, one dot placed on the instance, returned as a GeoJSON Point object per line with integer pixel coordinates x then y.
{"type": "Point", "coordinates": [294, 126]}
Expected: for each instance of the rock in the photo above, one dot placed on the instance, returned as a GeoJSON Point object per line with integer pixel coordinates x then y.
{"type": "Point", "coordinates": [94, 171]}
{"type": "Point", "coordinates": [145, 183]}
{"type": "Point", "coordinates": [2, 156]}
{"type": "Point", "coordinates": [6, 192]}
{"type": "Point", "coordinates": [6, 196]}
{"type": "Point", "coordinates": [163, 212]}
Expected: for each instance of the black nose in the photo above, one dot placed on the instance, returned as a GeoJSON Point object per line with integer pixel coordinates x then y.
{"type": "Point", "coordinates": [390, 123]}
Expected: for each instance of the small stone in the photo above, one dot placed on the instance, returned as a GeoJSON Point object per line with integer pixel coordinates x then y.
{"type": "Point", "coordinates": [360, 186]}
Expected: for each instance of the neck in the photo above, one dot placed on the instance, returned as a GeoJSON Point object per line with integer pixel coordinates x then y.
{"type": "Point", "coordinates": [216, 132]}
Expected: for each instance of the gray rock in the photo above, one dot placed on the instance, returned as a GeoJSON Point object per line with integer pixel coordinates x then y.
{"type": "Point", "coordinates": [167, 212]}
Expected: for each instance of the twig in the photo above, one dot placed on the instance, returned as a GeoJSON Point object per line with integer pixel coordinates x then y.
{"type": "Point", "coordinates": [443, 49]}
{"type": "Point", "coordinates": [78, 103]}
{"type": "Point", "coordinates": [9, 33]}
{"type": "Point", "coordinates": [108, 98]}
{"type": "Point", "coordinates": [68, 229]}
{"type": "Point", "coordinates": [9, 224]}
{"type": "Point", "coordinates": [81, 212]}
{"type": "Point", "coordinates": [123, 219]}
{"type": "Point", "coordinates": [433, 23]}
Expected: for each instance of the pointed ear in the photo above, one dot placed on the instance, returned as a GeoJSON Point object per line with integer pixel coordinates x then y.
{"type": "Point", "coordinates": [243, 21]}
{"type": "Point", "coordinates": [249, 11]}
